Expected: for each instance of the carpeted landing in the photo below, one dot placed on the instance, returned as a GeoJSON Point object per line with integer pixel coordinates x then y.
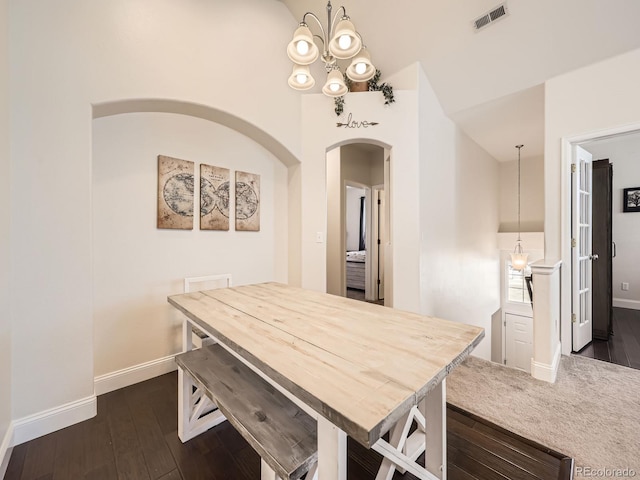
{"type": "Point", "coordinates": [591, 413]}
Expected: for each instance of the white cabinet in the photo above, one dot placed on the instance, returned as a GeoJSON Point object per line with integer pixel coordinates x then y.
{"type": "Point", "coordinates": [518, 341]}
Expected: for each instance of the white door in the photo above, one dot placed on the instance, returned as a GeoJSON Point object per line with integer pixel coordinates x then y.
{"type": "Point", "coordinates": [519, 341]}
{"type": "Point", "coordinates": [581, 210]}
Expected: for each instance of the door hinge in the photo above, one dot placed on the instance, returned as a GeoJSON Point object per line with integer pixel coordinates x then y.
{"type": "Point", "coordinates": [379, 282]}
{"type": "Point", "coordinates": [573, 168]}
{"type": "Point", "coordinates": [574, 319]}
{"type": "Point", "coordinates": [379, 202]}
{"type": "Point", "coordinates": [505, 361]}
{"type": "Point", "coordinates": [573, 243]}
{"type": "Point", "coordinates": [378, 241]}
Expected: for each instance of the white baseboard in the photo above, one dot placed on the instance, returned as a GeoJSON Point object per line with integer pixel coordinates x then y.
{"type": "Point", "coordinates": [131, 375]}
{"type": "Point", "coordinates": [546, 372]}
{"type": "Point", "coordinates": [623, 303]}
{"type": "Point", "coordinates": [5, 450]}
{"type": "Point", "coordinates": [43, 423]}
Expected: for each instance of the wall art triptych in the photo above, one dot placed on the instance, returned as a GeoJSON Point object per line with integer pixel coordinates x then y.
{"type": "Point", "coordinates": [176, 196]}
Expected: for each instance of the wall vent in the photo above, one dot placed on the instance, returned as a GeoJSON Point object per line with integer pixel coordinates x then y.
{"type": "Point", "coordinates": [488, 18]}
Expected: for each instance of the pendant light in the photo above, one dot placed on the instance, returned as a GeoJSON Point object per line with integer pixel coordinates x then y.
{"type": "Point", "coordinates": [518, 258]}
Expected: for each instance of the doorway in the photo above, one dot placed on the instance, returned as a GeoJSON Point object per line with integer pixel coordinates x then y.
{"type": "Point", "coordinates": [616, 243]}
{"type": "Point", "coordinates": [357, 226]}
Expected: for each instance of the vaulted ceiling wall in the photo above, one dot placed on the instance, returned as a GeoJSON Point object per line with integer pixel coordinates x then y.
{"type": "Point", "coordinates": [484, 79]}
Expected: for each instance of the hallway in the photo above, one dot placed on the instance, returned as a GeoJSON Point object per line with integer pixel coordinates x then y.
{"type": "Point", "coordinates": [623, 347]}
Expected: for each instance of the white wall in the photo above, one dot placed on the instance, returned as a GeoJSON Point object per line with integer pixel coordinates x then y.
{"type": "Point", "coordinates": [624, 153]}
{"type": "Point", "coordinates": [531, 194]}
{"type": "Point", "coordinates": [460, 277]}
{"type": "Point", "coordinates": [596, 100]}
{"type": "Point", "coordinates": [5, 200]}
{"type": "Point", "coordinates": [67, 57]}
{"type": "Point", "coordinates": [443, 249]}
{"type": "Point", "coordinates": [137, 265]}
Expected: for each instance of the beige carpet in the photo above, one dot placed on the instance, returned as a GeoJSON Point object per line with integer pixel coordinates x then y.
{"type": "Point", "coordinates": [591, 413]}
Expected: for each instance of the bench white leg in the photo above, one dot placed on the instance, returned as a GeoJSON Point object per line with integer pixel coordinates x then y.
{"type": "Point", "coordinates": [196, 413]}
{"type": "Point", "coordinates": [434, 409]}
{"type": "Point", "coordinates": [332, 451]}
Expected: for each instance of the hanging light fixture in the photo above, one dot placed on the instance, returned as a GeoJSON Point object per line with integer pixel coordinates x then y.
{"type": "Point", "coordinates": [340, 41]}
{"type": "Point", "coordinates": [518, 257]}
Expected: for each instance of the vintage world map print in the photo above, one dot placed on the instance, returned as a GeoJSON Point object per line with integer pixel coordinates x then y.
{"type": "Point", "coordinates": [175, 193]}
{"type": "Point", "coordinates": [214, 198]}
{"type": "Point", "coordinates": [247, 202]}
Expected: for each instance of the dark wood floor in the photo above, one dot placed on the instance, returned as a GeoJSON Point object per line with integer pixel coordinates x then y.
{"type": "Point", "coordinates": [356, 294]}
{"type": "Point", "coordinates": [134, 437]}
{"type": "Point", "coordinates": [623, 347]}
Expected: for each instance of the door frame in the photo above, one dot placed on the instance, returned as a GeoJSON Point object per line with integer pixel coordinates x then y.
{"type": "Point", "coordinates": [367, 235]}
{"type": "Point", "coordinates": [567, 158]}
{"type": "Point", "coordinates": [375, 247]}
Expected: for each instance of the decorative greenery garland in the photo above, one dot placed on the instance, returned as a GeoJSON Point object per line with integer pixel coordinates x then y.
{"type": "Point", "coordinates": [385, 88]}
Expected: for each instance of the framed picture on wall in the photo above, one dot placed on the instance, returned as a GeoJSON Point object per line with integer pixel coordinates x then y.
{"type": "Point", "coordinates": [175, 193]}
{"type": "Point", "coordinates": [247, 202]}
{"type": "Point", "coordinates": [631, 199]}
{"type": "Point", "coordinates": [214, 198]}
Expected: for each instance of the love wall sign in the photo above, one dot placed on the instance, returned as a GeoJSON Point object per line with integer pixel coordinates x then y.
{"type": "Point", "coordinates": [351, 123]}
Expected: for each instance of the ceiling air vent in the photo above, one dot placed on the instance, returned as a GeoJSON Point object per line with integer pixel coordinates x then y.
{"type": "Point", "coordinates": [490, 17]}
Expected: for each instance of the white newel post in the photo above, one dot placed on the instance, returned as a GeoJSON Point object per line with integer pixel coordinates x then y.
{"type": "Point", "coordinates": [546, 319]}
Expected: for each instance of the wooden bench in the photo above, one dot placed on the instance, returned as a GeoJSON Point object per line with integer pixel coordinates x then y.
{"type": "Point", "coordinates": [283, 435]}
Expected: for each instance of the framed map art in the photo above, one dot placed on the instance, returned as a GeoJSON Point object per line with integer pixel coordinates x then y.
{"type": "Point", "coordinates": [175, 193]}
{"type": "Point", "coordinates": [247, 202]}
{"type": "Point", "coordinates": [214, 198]}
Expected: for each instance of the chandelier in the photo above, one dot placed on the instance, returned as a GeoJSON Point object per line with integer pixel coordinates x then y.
{"type": "Point", "coordinates": [518, 257]}
{"type": "Point", "coordinates": [340, 41]}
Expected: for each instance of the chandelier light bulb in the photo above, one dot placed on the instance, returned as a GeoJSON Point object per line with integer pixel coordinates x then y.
{"type": "Point", "coordinates": [361, 68]}
{"type": "Point", "coordinates": [344, 41]}
{"type": "Point", "coordinates": [301, 78]}
{"type": "Point", "coordinates": [302, 47]}
{"type": "Point", "coordinates": [334, 86]}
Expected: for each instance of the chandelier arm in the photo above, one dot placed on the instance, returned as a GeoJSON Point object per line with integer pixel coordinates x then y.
{"type": "Point", "coordinates": [321, 39]}
{"type": "Point", "coordinates": [315, 17]}
{"type": "Point", "coordinates": [335, 17]}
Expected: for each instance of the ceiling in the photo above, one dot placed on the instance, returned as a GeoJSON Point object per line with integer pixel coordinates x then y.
{"type": "Point", "coordinates": [490, 82]}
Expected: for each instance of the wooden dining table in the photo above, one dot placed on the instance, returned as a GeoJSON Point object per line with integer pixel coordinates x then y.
{"type": "Point", "coordinates": [360, 369]}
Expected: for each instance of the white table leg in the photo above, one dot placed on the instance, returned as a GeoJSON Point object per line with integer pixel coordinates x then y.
{"type": "Point", "coordinates": [434, 409]}
{"type": "Point", "coordinates": [332, 451]}
{"type": "Point", "coordinates": [187, 336]}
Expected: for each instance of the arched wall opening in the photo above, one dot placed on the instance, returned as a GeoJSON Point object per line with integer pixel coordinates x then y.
{"type": "Point", "coordinates": [355, 265]}
{"type": "Point", "coordinates": [135, 265]}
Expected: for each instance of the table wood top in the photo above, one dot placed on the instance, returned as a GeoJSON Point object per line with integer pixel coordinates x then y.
{"type": "Point", "coordinates": [360, 365]}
